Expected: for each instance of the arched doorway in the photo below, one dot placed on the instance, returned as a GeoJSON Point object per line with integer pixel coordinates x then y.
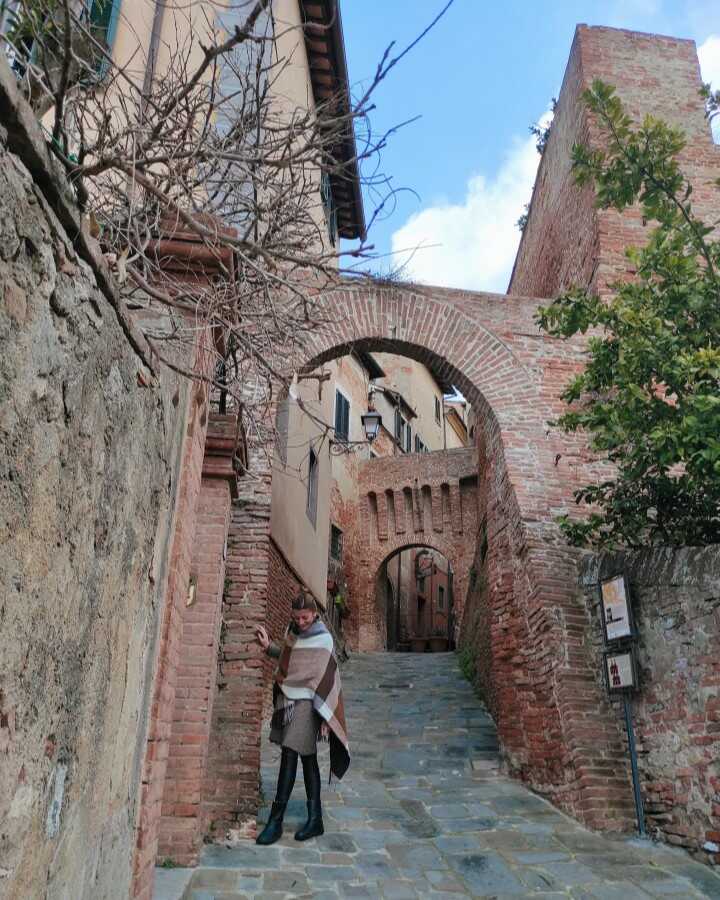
{"type": "Point", "coordinates": [415, 591]}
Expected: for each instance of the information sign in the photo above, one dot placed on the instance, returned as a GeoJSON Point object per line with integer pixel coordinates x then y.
{"type": "Point", "coordinates": [620, 670]}
{"type": "Point", "coordinates": [616, 612]}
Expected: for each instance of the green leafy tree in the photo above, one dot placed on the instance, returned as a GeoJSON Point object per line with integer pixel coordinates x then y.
{"type": "Point", "coordinates": [649, 395]}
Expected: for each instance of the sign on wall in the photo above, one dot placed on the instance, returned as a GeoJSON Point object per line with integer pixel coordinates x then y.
{"type": "Point", "coordinates": [620, 670]}
{"type": "Point", "coordinates": [616, 612]}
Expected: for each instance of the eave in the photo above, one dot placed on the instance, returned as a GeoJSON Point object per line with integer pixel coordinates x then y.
{"type": "Point", "coordinates": [329, 78]}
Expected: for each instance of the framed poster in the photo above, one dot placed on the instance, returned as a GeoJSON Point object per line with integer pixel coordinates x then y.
{"type": "Point", "coordinates": [620, 670]}
{"type": "Point", "coordinates": [616, 611]}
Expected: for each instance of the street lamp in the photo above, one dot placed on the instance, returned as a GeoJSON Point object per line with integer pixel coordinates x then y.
{"type": "Point", "coordinates": [371, 421]}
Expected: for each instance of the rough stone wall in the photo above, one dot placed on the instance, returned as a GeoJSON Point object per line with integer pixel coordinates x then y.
{"type": "Point", "coordinates": [676, 602]}
{"type": "Point", "coordinates": [88, 466]}
{"type": "Point", "coordinates": [567, 240]}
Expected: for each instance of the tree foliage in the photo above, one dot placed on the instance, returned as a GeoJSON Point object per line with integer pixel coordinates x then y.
{"type": "Point", "coordinates": [649, 395]}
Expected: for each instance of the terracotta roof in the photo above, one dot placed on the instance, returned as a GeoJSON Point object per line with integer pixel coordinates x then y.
{"type": "Point", "coordinates": [328, 73]}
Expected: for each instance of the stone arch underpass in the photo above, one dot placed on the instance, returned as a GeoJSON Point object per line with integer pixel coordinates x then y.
{"type": "Point", "coordinates": [523, 612]}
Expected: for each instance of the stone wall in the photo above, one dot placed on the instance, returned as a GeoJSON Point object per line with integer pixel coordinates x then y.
{"type": "Point", "coordinates": [89, 457]}
{"type": "Point", "coordinates": [676, 602]}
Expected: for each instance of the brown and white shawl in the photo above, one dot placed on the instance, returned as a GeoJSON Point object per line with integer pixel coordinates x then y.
{"type": "Point", "coordinates": [308, 670]}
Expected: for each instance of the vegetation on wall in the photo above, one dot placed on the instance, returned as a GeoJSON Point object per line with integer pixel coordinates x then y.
{"type": "Point", "coordinates": [649, 395]}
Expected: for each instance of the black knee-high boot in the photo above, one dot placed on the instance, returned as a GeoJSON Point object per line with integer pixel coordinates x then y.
{"type": "Point", "coordinates": [286, 780]}
{"type": "Point", "coordinates": [314, 825]}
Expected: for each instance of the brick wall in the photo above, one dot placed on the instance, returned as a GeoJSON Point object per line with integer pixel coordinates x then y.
{"type": "Point", "coordinates": [411, 500]}
{"type": "Point", "coordinates": [523, 626]}
{"type": "Point", "coordinates": [168, 656]}
{"type": "Point", "coordinates": [676, 603]}
{"type": "Point", "coordinates": [567, 240]}
{"type": "Point", "coordinates": [182, 825]}
{"type": "Point", "coordinates": [231, 789]}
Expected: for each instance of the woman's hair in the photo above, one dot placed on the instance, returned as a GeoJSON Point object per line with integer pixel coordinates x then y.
{"type": "Point", "coordinates": [304, 601]}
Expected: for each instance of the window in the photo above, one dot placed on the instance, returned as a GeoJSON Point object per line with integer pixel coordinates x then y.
{"type": "Point", "coordinates": [336, 543]}
{"type": "Point", "coordinates": [419, 445]}
{"type": "Point", "coordinates": [103, 25]}
{"type": "Point", "coordinates": [399, 425]}
{"type": "Point", "coordinates": [437, 410]}
{"type": "Point", "coordinates": [342, 417]}
{"type": "Point", "coordinates": [408, 438]}
{"type": "Point", "coordinates": [328, 203]}
{"type": "Point", "coordinates": [441, 597]}
{"type": "Point", "coordinates": [421, 584]}
{"type": "Point", "coordinates": [101, 18]}
{"type": "Point", "coordinates": [312, 487]}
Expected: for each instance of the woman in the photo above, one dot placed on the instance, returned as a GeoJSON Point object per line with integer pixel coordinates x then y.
{"type": "Point", "coordinates": [308, 704]}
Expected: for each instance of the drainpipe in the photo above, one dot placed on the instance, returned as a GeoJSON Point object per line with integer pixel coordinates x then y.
{"type": "Point", "coordinates": [153, 48]}
{"type": "Point", "coordinates": [442, 407]}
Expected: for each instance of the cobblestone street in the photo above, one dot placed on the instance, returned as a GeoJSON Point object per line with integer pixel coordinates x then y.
{"type": "Point", "coordinates": [423, 812]}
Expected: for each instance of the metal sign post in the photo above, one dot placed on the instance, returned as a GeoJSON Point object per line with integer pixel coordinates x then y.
{"type": "Point", "coordinates": [639, 812]}
{"type": "Point", "coordinates": [620, 666]}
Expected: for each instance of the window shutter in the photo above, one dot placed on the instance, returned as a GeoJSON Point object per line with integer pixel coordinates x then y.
{"type": "Point", "coordinates": [342, 417]}
{"type": "Point", "coordinates": [312, 487]}
{"type": "Point", "coordinates": [408, 438]}
{"type": "Point", "coordinates": [104, 16]}
{"type": "Point", "coordinates": [346, 418]}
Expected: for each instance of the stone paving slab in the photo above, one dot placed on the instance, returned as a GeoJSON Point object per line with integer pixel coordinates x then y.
{"type": "Point", "coordinates": [423, 812]}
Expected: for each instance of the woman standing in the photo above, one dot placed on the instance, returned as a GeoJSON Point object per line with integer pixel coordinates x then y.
{"type": "Point", "coordinates": [308, 705]}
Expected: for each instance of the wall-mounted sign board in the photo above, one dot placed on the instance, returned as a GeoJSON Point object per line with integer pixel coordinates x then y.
{"type": "Point", "coordinates": [620, 670]}
{"type": "Point", "coordinates": [616, 611]}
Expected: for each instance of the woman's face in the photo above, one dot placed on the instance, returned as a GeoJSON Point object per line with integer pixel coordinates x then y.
{"type": "Point", "coordinates": [303, 618]}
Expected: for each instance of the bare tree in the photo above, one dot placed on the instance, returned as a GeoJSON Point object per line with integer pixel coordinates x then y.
{"type": "Point", "coordinates": [193, 137]}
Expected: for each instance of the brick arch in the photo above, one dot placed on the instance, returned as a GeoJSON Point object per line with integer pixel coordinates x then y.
{"type": "Point", "coordinates": [390, 549]}
{"type": "Point", "coordinates": [458, 562]}
{"type": "Point", "coordinates": [553, 721]}
{"type": "Point", "coordinates": [554, 724]}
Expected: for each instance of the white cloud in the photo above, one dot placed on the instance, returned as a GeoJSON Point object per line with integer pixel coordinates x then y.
{"type": "Point", "coordinates": [709, 56]}
{"type": "Point", "coordinates": [473, 244]}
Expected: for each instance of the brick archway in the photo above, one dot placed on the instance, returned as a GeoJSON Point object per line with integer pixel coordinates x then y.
{"type": "Point", "coordinates": [458, 566]}
{"type": "Point", "coordinates": [554, 723]}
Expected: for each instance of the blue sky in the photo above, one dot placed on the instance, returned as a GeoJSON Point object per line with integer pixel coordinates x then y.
{"type": "Point", "coordinates": [478, 80]}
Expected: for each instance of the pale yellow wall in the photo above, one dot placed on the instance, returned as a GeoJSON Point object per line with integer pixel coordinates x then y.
{"type": "Point", "coordinates": [304, 545]}
{"type": "Point", "coordinates": [418, 387]}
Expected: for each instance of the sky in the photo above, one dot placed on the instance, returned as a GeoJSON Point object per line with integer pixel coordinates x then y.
{"type": "Point", "coordinates": [465, 168]}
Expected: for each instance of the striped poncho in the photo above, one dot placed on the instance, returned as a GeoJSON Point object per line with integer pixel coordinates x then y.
{"type": "Point", "coordinates": [308, 670]}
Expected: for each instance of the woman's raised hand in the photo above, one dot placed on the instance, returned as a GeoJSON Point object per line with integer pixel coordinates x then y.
{"type": "Point", "coordinates": [262, 637]}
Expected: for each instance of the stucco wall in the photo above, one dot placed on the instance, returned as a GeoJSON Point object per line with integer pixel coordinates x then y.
{"type": "Point", "coordinates": [88, 468]}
